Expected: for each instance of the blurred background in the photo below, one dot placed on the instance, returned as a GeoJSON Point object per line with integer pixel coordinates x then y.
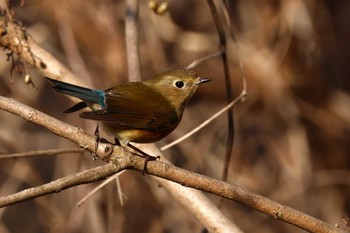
{"type": "Point", "coordinates": [292, 134]}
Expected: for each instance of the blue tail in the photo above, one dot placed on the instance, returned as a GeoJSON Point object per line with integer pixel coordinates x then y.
{"type": "Point", "coordinates": [83, 93]}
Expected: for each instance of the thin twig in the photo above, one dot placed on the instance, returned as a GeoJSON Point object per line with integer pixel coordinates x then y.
{"type": "Point", "coordinates": [203, 59]}
{"type": "Point", "coordinates": [132, 40]}
{"type": "Point", "coordinates": [40, 153]}
{"type": "Point", "coordinates": [230, 113]}
{"type": "Point", "coordinates": [210, 119]}
{"type": "Point", "coordinates": [119, 188]}
{"type": "Point", "coordinates": [100, 186]}
{"type": "Point", "coordinates": [237, 49]}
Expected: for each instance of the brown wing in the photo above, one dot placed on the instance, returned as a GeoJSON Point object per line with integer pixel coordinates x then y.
{"type": "Point", "coordinates": [145, 111]}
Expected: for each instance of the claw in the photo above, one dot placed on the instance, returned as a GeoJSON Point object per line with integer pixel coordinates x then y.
{"type": "Point", "coordinates": [145, 155]}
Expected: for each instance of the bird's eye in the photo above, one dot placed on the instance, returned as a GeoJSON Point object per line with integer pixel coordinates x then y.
{"type": "Point", "coordinates": [179, 84]}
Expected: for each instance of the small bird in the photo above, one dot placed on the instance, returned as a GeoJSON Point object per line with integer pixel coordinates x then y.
{"type": "Point", "coordinates": [140, 112]}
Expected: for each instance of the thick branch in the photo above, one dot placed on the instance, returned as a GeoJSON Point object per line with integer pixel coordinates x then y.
{"type": "Point", "coordinates": [238, 194]}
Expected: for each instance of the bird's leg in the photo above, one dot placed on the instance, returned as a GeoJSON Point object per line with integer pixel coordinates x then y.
{"type": "Point", "coordinates": [103, 140]}
{"type": "Point", "coordinates": [117, 142]}
{"type": "Point", "coordinates": [145, 155]}
{"type": "Point", "coordinates": [97, 136]}
{"type": "Point", "coordinates": [98, 140]}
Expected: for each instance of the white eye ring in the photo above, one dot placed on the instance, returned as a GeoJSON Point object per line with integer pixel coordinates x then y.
{"type": "Point", "coordinates": [179, 84]}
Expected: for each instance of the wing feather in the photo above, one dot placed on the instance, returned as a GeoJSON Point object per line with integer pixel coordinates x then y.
{"type": "Point", "coordinates": [126, 113]}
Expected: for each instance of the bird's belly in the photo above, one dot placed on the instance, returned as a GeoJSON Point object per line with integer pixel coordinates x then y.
{"type": "Point", "coordinates": [140, 136]}
{"type": "Point", "coordinates": [135, 135]}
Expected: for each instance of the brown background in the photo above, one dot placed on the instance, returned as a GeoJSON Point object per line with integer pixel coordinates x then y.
{"type": "Point", "coordinates": [292, 133]}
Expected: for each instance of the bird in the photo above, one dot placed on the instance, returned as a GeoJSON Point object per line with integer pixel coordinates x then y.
{"type": "Point", "coordinates": [139, 112]}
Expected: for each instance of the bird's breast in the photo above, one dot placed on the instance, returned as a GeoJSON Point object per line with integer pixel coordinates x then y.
{"type": "Point", "coordinates": [137, 135]}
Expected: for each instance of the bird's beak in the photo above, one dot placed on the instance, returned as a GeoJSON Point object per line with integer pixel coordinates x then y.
{"type": "Point", "coordinates": [203, 80]}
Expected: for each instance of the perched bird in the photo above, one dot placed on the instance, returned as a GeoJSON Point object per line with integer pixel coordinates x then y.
{"type": "Point", "coordinates": [141, 112]}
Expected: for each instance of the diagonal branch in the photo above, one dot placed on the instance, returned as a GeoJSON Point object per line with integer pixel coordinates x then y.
{"type": "Point", "coordinates": [15, 38]}
{"type": "Point", "coordinates": [122, 159]}
{"type": "Point", "coordinates": [58, 185]}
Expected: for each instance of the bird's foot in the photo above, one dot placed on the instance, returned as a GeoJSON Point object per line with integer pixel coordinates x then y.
{"type": "Point", "coordinates": [144, 155]}
{"type": "Point", "coordinates": [147, 159]}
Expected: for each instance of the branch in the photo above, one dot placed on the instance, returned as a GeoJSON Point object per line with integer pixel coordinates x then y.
{"type": "Point", "coordinates": [58, 185]}
{"type": "Point", "coordinates": [15, 38]}
{"type": "Point", "coordinates": [230, 112]}
{"type": "Point", "coordinates": [123, 159]}
{"type": "Point", "coordinates": [132, 39]}
{"type": "Point", "coordinates": [238, 194]}
{"type": "Point", "coordinates": [39, 153]}
{"type": "Point", "coordinates": [120, 157]}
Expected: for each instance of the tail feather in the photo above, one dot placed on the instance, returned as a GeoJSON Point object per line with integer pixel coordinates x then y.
{"type": "Point", "coordinates": [83, 93]}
